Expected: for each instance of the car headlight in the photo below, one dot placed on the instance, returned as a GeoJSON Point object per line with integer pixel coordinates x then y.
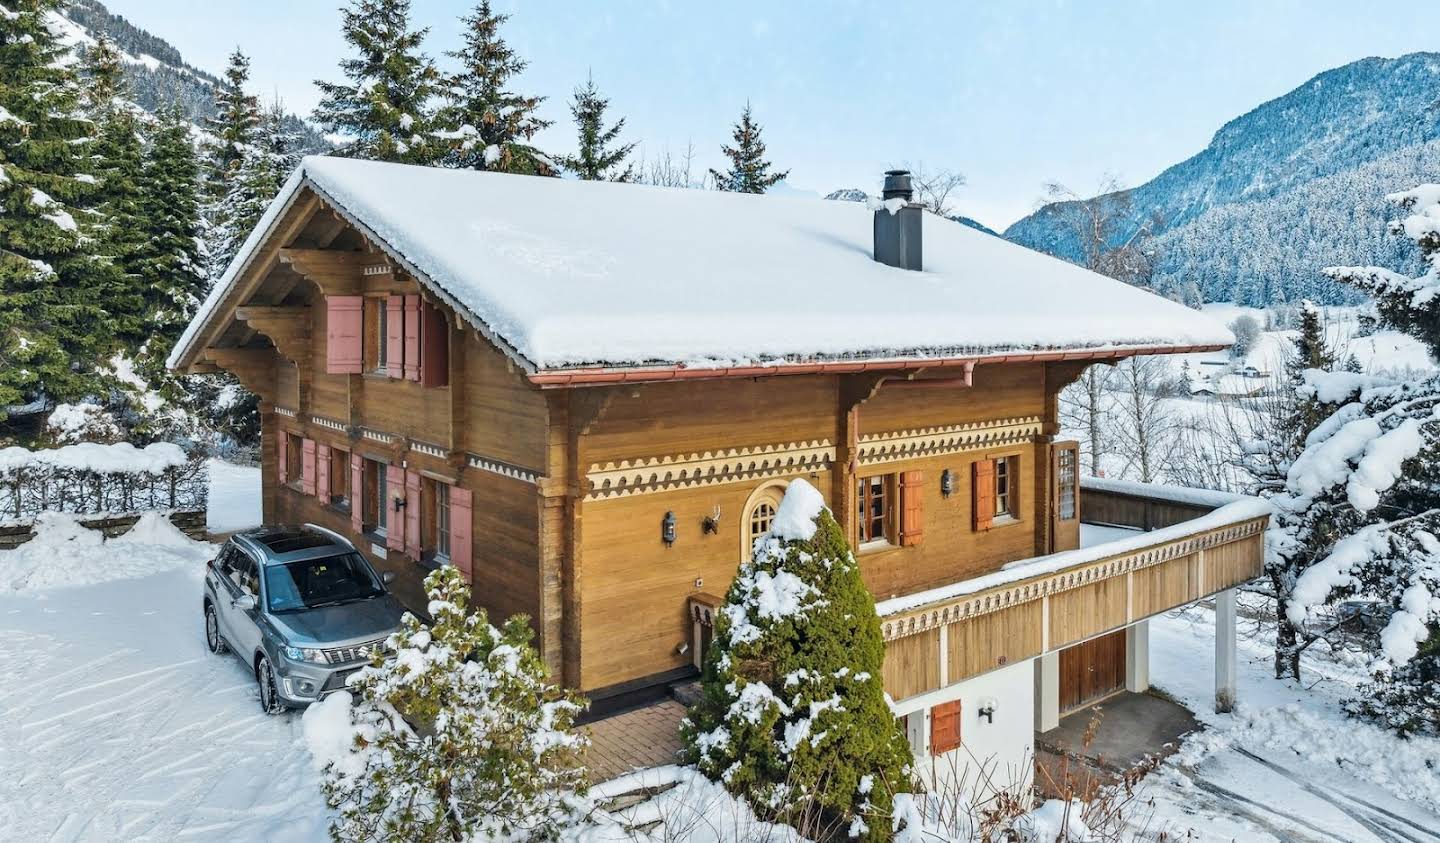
{"type": "Point", "coordinates": [305, 654]}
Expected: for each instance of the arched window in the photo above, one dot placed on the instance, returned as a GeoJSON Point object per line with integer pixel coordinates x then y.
{"type": "Point", "coordinates": [761, 517]}
{"type": "Point", "coordinates": [758, 515]}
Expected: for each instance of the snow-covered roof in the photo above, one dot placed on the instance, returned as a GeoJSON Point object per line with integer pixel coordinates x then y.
{"type": "Point", "coordinates": [567, 273]}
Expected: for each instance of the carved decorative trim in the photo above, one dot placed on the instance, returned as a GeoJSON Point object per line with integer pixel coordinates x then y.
{"type": "Point", "coordinates": [285, 411]}
{"type": "Point", "coordinates": [330, 423]}
{"type": "Point", "coordinates": [657, 474]}
{"type": "Point", "coordinates": [378, 269]}
{"type": "Point", "coordinates": [378, 436]}
{"type": "Point", "coordinates": [428, 449]}
{"type": "Point", "coordinates": [968, 606]}
{"type": "Point", "coordinates": [893, 446]}
{"type": "Point", "coordinates": [503, 469]}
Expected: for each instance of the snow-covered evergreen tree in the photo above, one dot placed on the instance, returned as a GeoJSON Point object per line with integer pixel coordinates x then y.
{"type": "Point", "coordinates": [53, 323]}
{"type": "Point", "coordinates": [385, 110]}
{"type": "Point", "coordinates": [749, 171]}
{"type": "Point", "coordinates": [264, 165]}
{"type": "Point", "coordinates": [456, 736]}
{"type": "Point", "coordinates": [486, 125]}
{"type": "Point", "coordinates": [1360, 515]}
{"type": "Point", "coordinates": [597, 158]}
{"type": "Point", "coordinates": [236, 120]}
{"type": "Point", "coordinates": [170, 262]}
{"type": "Point", "coordinates": [793, 713]}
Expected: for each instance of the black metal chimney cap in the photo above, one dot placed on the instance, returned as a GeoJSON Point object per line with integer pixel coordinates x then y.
{"type": "Point", "coordinates": [897, 185]}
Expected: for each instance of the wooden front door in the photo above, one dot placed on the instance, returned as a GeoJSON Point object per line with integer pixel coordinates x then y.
{"type": "Point", "coordinates": [1091, 670]}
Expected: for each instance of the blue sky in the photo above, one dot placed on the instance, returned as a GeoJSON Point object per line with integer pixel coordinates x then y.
{"type": "Point", "coordinates": [1012, 94]}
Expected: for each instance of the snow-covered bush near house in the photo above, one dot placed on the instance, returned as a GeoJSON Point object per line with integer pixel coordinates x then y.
{"type": "Point", "coordinates": [64, 554]}
{"type": "Point", "coordinates": [456, 735]}
{"type": "Point", "coordinates": [93, 478]}
{"type": "Point", "coordinates": [685, 806]}
{"type": "Point", "coordinates": [1054, 821]}
{"type": "Point", "coordinates": [69, 424]}
{"type": "Point", "coordinates": [1360, 512]}
{"type": "Point", "coordinates": [793, 715]}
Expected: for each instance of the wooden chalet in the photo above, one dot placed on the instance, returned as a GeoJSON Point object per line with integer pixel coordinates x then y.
{"type": "Point", "coordinates": [590, 397]}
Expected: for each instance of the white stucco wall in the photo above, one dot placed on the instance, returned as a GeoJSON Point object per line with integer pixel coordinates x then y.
{"type": "Point", "coordinates": [993, 755]}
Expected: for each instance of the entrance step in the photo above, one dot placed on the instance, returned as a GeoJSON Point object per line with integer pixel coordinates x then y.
{"type": "Point", "coordinates": [686, 693]}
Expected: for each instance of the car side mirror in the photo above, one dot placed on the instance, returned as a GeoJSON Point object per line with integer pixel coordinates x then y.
{"type": "Point", "coordinates": [244, 602]}
{"type": "Point", "coordinates": [387, 577]}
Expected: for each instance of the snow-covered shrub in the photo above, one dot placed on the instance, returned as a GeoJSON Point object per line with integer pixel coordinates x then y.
{"type": "Point", "coordinates": [1247, 332]}
{"type": "Point", "coordinates": [456, 735]}
{"type": "Point", "coordinates": [793, 714]}
{"type": "Point", "coordinates": [83, 422]}
{"type": "Point", "coordinates": [1360, 513]}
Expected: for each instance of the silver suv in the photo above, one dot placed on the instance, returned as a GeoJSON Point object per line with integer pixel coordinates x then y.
{"type": "Point", "coordinates": [300, 607]}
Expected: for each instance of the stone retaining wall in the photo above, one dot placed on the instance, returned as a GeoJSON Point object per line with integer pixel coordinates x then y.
{"type": "Point", "coordinates": [191, 522]}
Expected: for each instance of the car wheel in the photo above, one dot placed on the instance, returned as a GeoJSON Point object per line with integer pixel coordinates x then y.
{"type": "Point", "coordinates": [269, 694]}
{"type": "Point", "coordinates": [213, 640]}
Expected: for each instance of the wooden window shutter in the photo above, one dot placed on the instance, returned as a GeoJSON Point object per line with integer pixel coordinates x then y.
{"type": "Point", "coordinates": [945, 727]}
{"type": "Point", "coordinates": [412, 514]}
{"type": "Point", "coordinates": [282, 456]}
{"type": "Point", "coordinates": [461, 529]}
{"type": "Point", "coordinates": [322, 473]}
{"type": "Point", "coordinates": [357, 493]}
{"type": "Point", "coordinates": [982, 493]}
{"type": "Point", "coordinates": [434, 347]}
{"type": "Point", "coordinates": [412, 338]}
{"type": "Point", "coordinates": [394, 521]}
{"type": "Point", "coordinates": [307, 467]}
{"type": "Point", "coordinates": [344, 329]}
{"type": "Point", "coordinates": [395, 336]}
{"type": "Point", "coordinates": [912, 507]}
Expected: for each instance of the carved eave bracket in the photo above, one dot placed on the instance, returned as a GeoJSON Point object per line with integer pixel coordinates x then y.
{"type": "Point", "coordinates": [287, 327]}
{"type": "Point", "coordinates": [253, 367]}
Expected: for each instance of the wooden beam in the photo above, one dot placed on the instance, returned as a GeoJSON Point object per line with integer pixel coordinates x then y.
{"type": "Point", "coordinates": [253, 367]}
{"type": "Point", "coordinates": [337, 273]}
{"type": "Point", "coordinates": [287, 327]}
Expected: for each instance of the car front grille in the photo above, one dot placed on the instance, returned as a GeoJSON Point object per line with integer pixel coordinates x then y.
{"type": "Point", "coordinates": [355, 653]}
{"type": "Point", "coordinates": [337, 680]}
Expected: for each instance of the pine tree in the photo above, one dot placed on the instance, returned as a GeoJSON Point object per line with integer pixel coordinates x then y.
{"type": "Point", "coordinates": [53, 325]}
{"type": "Point", "coordinates": [261, 171]}
{"type": "Point", "coordinates": [595, 159]}
{"type": "Point", "coordinates": [793, 713]}
{"type": "Point", "coordinates": [749, 172]}
{"type": "Point", "coordinates": [1360, 515]}
{"type": "Point", "coordinates": [490, 127]}
{"type": "Point", "coordinates": [237, 118]}
{"type": "Point", "coordinates": [170, 263]}
{"type": "Point", "coordinates": [457, 736]}
{"type": "Point", "coordinates": [385, 111]}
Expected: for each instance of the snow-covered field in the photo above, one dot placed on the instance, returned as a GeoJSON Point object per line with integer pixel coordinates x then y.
{"type": "Point", "coordinates": [117, 724]}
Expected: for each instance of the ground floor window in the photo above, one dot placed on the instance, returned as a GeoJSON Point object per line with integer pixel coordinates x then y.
{"type": "Point", "coordinates": [339, 490]}
{"type": "Point", "coordinates": [294, 459]}
{"type": "Point", "coordinates": [436, 524]}
{"type": "Point", "coordinates": [375, 509]}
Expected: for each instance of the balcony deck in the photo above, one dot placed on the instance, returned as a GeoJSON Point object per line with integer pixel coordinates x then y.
{"type": "Point", "coordinates": [1145, 550]}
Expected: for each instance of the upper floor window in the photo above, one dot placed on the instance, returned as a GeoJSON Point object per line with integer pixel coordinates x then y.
{"type": "Point", "coordinates": [1065, 482]}
{"type": "Point", "coordinates": [995, 491]}
{"type": "Point", "coordinates": [873, 501]}
{"type": "Point", "coordinates": [1004, 498]}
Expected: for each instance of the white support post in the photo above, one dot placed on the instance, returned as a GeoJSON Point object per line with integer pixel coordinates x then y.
{"type": "Point", "coordinates": [1047, 691]}
{"type": "Point", "coordinates": [1137, 657]}
{"type": "Point", "coordinates": [1225, 651]}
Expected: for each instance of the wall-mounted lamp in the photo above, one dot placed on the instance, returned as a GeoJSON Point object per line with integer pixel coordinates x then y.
{"type": "Point", "coordinates": [667, 529]}
{"type": "Point", "coordinates": [987, 709]}
{"type": "Point", "coordinates": [947, 483]}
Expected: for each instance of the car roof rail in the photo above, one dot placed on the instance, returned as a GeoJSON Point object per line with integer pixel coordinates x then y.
{"type": "Point", "coordinates": [331, 533]}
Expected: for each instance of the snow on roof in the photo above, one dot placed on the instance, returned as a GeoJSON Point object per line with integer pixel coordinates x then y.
{"type": "Point", "coordinates": [570, 273]}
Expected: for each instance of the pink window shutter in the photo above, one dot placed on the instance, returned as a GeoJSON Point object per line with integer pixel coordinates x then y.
{"type": "Point", "coordinates": [322, 473]}
{"type": "Point", "coordinates": [434, 347]}
{"type": "Point", "coordinates": [282, 456]}
{"type": "Point", "coordinates": [395, 336]}
{"type": "Point", "coordinates": [412, 338]}
{"type": "Point", "coordinates": [307, 467]}
{"type": "Point", "coordinates": [344, 328]}
{"type": "Point", "coordinates": [357, 486]}
{"type": "Point", "coordinates": [412, 514]}
{"type": "Point", "coordinates": [461, 529]}
{"type": "Point", "coordinates": [394, 521]}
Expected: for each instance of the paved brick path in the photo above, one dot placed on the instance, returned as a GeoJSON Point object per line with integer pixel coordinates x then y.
{"type": "Point", "coordinates": [644, 737]}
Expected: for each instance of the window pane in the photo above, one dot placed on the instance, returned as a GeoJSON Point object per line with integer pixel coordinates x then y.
{"type": "Point", "coordinates": [761, 517]}
{"type": "Point", "coordinates": [442, 520]}
{"type": "Point", "coordinates": [1066, 479]}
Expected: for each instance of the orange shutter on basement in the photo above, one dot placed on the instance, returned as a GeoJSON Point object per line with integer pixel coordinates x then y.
{"type": "Point", "coordinates": [434, 347]}
{"type": "Point", "coordinates": [412, 338]}
{"type": "Point", "coordinates": [945, 727]}
{"type": "Point", "coordinates": [412, 514]}
{"type": "Point", "coordinates": [344, 327]}
{"type": "Point", "coordinates": [307, 467]}
{"type": "Point", "coordinates": [395, 336]}
{"type": "Point", "coordinates": [322, 473]}
{"type": "Point", "coordinates": [461, 519]}
{"type": "Point", "coordinates": [357, 499]}
{"type": "Point", "coordinates": [912, 507]}
{"type": "Point", "coordinates": [982, 493]}
{"type": "Point", "coordinates": [394, 519]}
{"type": "Point", "coordinates": [282, 451]}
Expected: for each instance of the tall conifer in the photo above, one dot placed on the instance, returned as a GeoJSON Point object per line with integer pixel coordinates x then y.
{"type": "Point", "coordinates": [596, 159]}
{"type": "Point", "coordinates": [237, 118]}
{"type": "Point", "coordinates": [749, 171]}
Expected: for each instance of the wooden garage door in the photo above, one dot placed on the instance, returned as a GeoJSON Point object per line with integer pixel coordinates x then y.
{"type": "Point", "coordinates": [1091, 670]}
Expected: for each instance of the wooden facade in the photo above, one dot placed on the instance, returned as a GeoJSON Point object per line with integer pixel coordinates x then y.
{"type": "Point", "coordinates": [565, 488]}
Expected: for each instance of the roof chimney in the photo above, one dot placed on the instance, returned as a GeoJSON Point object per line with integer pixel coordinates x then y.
{"type": "Point", "coordinates": [898, 223]}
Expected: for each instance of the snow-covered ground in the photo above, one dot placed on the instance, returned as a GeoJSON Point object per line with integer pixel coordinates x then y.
{"type": "Point", "coordinates": [234, 497]}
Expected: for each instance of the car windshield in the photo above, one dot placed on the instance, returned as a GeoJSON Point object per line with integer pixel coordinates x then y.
{"type": "Point", "coordinates": [327, 581]}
